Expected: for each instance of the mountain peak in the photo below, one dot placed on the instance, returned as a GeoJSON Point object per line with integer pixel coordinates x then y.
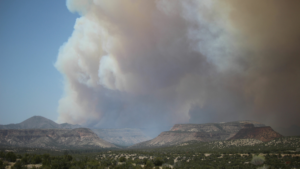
{"type": "Point", "coordinates": [37, 119]}
{"type": "Point", "coordinates": [38, 122]}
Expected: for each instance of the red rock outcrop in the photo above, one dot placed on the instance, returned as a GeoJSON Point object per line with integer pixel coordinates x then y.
{"type": "Point", "coordinates": [260, 133]}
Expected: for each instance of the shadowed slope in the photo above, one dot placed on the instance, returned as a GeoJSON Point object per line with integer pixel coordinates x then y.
{"type": "Point", "coordinates": [123, 137]}
{"type": "Point", "coordinates": [52, 138]}
{"type": "Point", "coordinates": [260, 133]}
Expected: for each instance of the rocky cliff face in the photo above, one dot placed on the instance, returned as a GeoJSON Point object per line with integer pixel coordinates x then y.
{"type": "Point", "coordinates": [52, 138]}
{"type": "Point", "coordinates": [39, 122]}
{"type": "Point", "coordinates": [169, 138]}
{"type": "Point", "coordinates": [260, 133]}
{"type": "Point", "coordinates": [181, 133]}
{"type": "Point", "coordinates": [230, 127]}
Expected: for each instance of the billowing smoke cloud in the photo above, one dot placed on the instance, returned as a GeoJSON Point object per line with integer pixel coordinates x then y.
{"type": "Point", "coordinates": [141, 63]}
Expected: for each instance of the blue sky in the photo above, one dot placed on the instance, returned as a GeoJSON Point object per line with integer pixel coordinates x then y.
{"type": "Point", "coordinates": [31, 33]}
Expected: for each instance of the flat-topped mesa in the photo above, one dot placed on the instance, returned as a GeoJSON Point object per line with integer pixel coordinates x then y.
{"type": "Point", "coordinates": [260, 133]}
{"type": "Point", "coordinates": [52, 138]}
{"type": "Point", "coordinates": [181, 133]}
{"type": "Point", "coordinates": [229, 127]}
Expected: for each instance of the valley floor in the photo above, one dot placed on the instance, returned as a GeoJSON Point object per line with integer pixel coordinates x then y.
{"type": "Point", "coordinates": [150, 158]}
{"type": "Point", "coordinates": [280, 153]}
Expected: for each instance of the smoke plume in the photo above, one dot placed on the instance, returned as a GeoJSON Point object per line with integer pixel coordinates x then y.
{"type": "Point", "coordinates": [146, 63]}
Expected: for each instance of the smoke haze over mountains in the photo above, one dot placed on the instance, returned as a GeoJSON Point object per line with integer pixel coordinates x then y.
{"type": "Point", "coordinates": [156, 63]}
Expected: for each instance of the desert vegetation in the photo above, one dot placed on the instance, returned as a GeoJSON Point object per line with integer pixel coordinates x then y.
{"type": "Point", "coordinates": [138, 160]}
{"type": "Point", "coordinates": [188, 155]}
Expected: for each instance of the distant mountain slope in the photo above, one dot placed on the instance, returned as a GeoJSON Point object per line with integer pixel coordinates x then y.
{"type": "Point", "coordinates": [260, 133]}
{"type": "Point", "coordinates": [229, 127]}
{"type": "Point", "coordinates": [239, 145]}
{"type": "Point", "coordinates": [123, 137]}
{"type": "Point", "coordinates": [181, 133]}
{"type": "Point", "coordinates": [52, 138]}
{"type": "Point", "coordinates": [39, 122]}
{"type": "Point", "coordinates": [169, 138]}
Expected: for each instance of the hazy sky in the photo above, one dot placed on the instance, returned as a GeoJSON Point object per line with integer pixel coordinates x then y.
{"type": "Point", "coordinates": [31, 33]}
{"type": "Point", "coordinates": [150, 63]}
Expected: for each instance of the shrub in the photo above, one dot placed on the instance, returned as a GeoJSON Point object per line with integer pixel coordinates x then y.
{"type": "Point", "coordinates": [36, 159]}
{"type": "Point", "coordinates": [122, 159]}
{"type": "Point", "coordinates": [18, 165]}
{"type": "Point", "coordinates": [149, 164]}
{"type": "Point", "coordinates": [166, 166]}
{"type": "Point", "coordinates": [24, 160]}
{"type": "Point", "coordinates": [263, 167]}
{"type": "Point", "coordinates": [11, 157]}
{"type": "Point", "coordinates": [2, 166]}
{"type": "Point", "coordinates": [145, 160]}
{"type": "Point", "coordinates": [68, 157]}
{"type": "Point", "coordinates": [2, 154]}
{"type": "Point", "coordinates": [158, 161]}
{"type": "Point", "coordinates": [258, 159]}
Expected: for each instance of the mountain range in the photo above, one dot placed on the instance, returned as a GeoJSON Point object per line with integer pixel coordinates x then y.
{"type": "Point", "coordinates": [41, 132]}
{"type": "Point", "coordinates": [52, 138]}
{"type": "Point", "coordinates": [121, 137]}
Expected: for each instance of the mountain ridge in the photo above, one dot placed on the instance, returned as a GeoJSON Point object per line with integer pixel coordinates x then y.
{"type": "Point", "coordinates": [52, 138]}
{"type": "Point", "coordinates": [39, 122]}
{"type": "Point", "coordinates": [207, 132]}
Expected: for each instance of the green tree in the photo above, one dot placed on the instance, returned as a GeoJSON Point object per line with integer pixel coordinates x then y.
{"type": "Point", "coordinates": [158, 161]}
{"type": "Point", "coordinates": [36, 159]}
{"type": "Point", "coordinates": [2, 165]}
{"type": "Point", "coordinates": [11, 157]}
{"type": "Point", "coordinates": [258, 159]}
{"type": "Point", "coordinates": [2, 154]}
{"type": "Point", "coordinates": [145, 161]}
{"type": "Point", "coordinates": [18, 165]}
{"type": "Point", "coordinates": [46, 160]}
{"type": "Point", "coordinates": [68, 157]}
{"type": "Point", "coordinates": [24, 159]}
{"type": "Point", "coordinates": [149, 165]}
{"type": "Point", "coordinates": [122, 159]}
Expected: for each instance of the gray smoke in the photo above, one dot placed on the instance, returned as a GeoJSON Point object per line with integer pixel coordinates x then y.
{"type": "Point", "coordinates": [151, 64]}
